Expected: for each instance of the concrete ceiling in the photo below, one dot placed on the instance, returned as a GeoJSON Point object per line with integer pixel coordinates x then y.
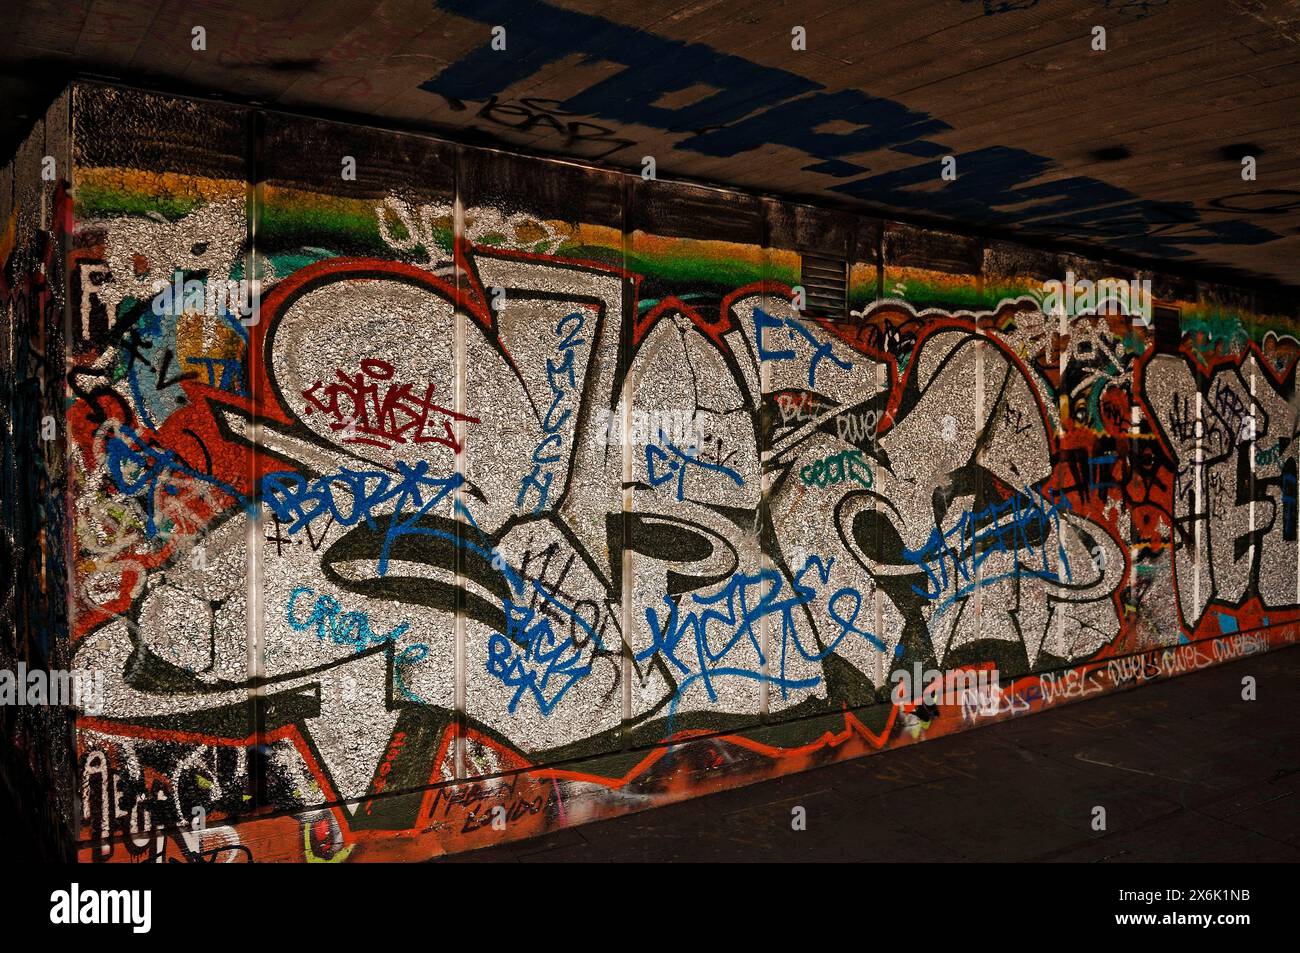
{"type": "Point", "coordinates": [1136, 149]}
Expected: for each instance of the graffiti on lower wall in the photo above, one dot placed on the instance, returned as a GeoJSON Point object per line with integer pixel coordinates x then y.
{"type": "Point", "coordinates": [491, 524]}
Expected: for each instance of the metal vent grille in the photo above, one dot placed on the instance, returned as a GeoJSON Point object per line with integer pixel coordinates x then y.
{"type": "Point", "coordinates": [825, 283]}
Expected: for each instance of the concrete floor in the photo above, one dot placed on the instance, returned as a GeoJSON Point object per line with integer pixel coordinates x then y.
{"type": "Point", "coordinates": [1185, 769]}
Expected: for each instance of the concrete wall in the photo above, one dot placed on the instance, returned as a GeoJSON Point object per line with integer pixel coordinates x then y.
{"type": "Point", "coordinates": [527, 497]}
{"type": "Point", "coordinates": [35, 739]}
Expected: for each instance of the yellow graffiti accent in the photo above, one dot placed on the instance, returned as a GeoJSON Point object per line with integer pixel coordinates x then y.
{"type": "Point", "coordinates": [310, 854]}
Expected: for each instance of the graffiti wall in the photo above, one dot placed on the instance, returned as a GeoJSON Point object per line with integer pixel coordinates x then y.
{"type": "Point", "coordinates": [35, 739]}
{"type": "Point", "coordinates": [423, 497]}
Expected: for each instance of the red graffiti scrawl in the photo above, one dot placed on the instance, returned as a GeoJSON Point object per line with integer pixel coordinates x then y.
{"type": "Point", "coordinates": [396, 416]}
